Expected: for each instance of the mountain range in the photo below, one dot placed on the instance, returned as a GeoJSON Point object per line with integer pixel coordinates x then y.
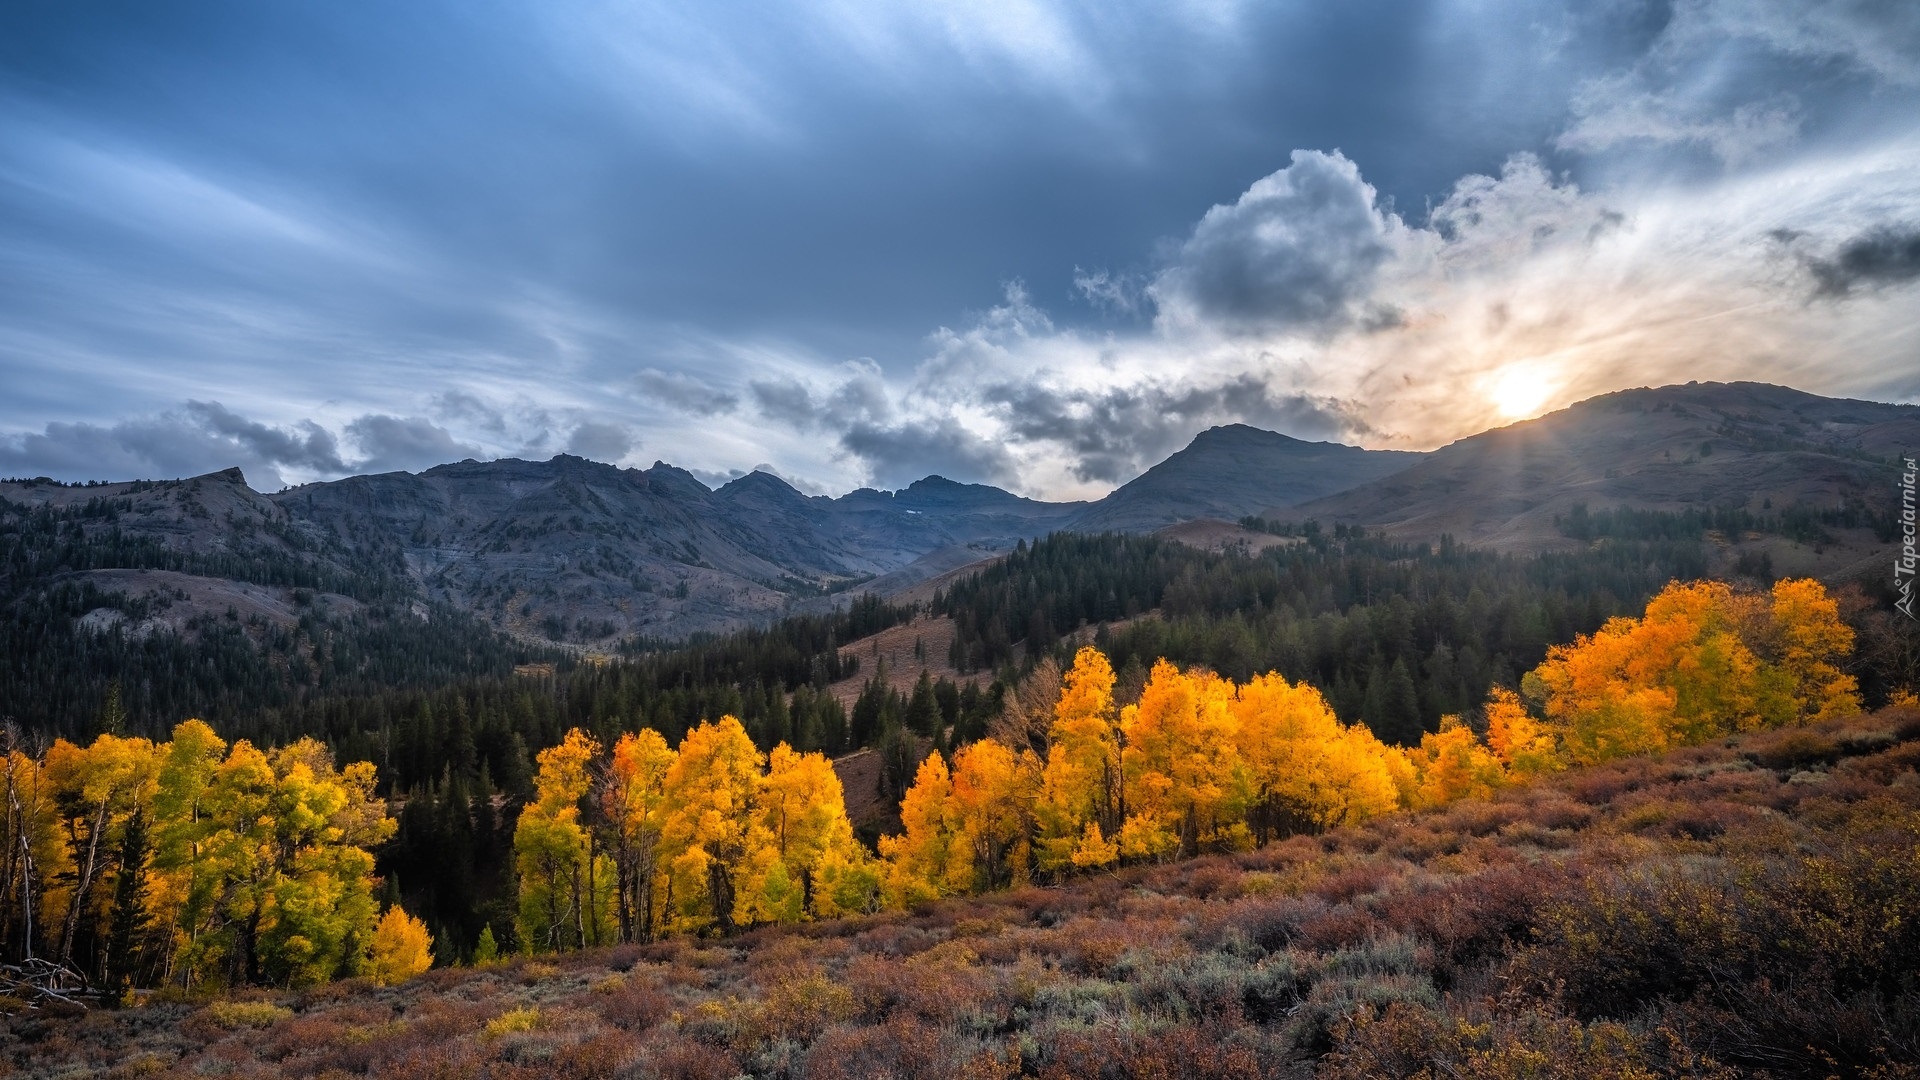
{"type": "Point", "coordinates": [574, 551]}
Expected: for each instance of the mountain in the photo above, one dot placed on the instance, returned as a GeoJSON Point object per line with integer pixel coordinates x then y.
{"type": "Point", "coordinates": [577, 552]}
{"type": "Point", "coordinates": [1770, 451]}
{"type": "Point", "coordinates": [1233, 471]}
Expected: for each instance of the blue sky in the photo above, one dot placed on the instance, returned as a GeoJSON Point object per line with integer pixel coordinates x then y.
{"type": "Point", "coordinates": [1028, 243]}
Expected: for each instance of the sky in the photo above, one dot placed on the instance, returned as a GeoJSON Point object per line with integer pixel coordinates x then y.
{"type": "Point", "coordinates": [1027, 243]}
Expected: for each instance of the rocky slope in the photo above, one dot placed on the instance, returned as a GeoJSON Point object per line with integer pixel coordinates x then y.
{"type": "Point", "coordinates": [1755, 447]}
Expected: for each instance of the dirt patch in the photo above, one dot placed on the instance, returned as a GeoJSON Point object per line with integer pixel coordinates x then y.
{"type": "Point", "coordinates": [903, 651]}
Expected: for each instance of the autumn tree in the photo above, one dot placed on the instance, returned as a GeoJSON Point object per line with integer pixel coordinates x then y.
{"type": "Point", "coordinates": [565, 882]}
{"type": "Point", "coordinates": [632, 793]}
{"type": "Point", "coordinates": [34, 852]}
{"type": "Point", "coordinates": [991, 816]}
{"type": "Point", "coordinates": [1453, 764]}
{"type": "Point", "coordinates": [1523, 745]}
{"type": "Point", "coordinates": [99, 790]}
{"type": "Point", "coordinates": [1305, 770]}
{"type": "Point", "coordinates": [714, 838]}
{"type": "Point", "coordinates": [1084, 776]}
{"type": "Point", "coordinates": [402, 948]}
{"type": "Point", "coordinates": [920, 859]}
{"type": "Point", "coordinates": [1704, 661]}
{"type": "Point", "coordinates": [1185, 783]}
{"type": "Point", "coordinates": [804, 813]}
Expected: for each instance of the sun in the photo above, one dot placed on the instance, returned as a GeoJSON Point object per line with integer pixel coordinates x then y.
{"type": "Point", "coordinates": [1520, 391]}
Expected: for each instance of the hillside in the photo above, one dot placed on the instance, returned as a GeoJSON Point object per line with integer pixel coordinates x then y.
{"type": "Point", "coordinates": [1749, 446]}
{"type": "Point", "coordinates": [1740, 908]}
{"type": "Point", "coordinates": [1233, 471]}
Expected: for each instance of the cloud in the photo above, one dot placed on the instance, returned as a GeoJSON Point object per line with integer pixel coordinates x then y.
{"type": "Point", "coordinates": [685, 393]}
{"type": "Point", "coordinates": [1114, 434]}
{"type": "Point", "coordinates": [1299, 250]}
{"type": "Point", "coordinates": [898, 455]}
{"type": "Point", "coordinates": [1112, 292]}
{"type": "Point", "coordinates": [601, 441]}
{"type": "Point", "coordinates": [308, 446]}
{"type": "Point", "coordinates": [392, 443]}
{"type": "Point", "coordinates": [1619, 109]}
{"type": "Point", "coordinates": [198, 438]}
{"type": "Point", "coordinates": [1888, 255]}
{"type": "Point", "coordinates": [1880, 38]}
{"type": "Point", "coordinates": [861, 396]}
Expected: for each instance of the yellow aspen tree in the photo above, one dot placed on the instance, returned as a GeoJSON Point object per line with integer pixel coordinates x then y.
{"type": "Point", "coordinates": [325, 823]}
{"type": "Point", "coordinates": [99, 789]}
{"type": "Point", "coordinates": [805, 813]}
{"type": "Point", "coordinates": [1305, 770]}
{"type": "Point", "coordinates": [1185, 783]}
{"type": "Point", "coordinates": [562, 890]}
{"type": "Point", "coordinates": [239, 846]}
{"type": "Point", "coordinates": [992, 814]}
{"type": "Point", "coordinates": [402, 948]}
{"type": "Point", "coordinates": [1084, 775]}
{"type": "Point", "coordinates": [1696, 638]}
{"type": "Point", "coordinates": [633, 802]}
{"type": "Point", "coordinates": [713, 837]}
{"type": "Point", "coordinates": [918, 858]}
{"type": "Point", "coordinates": [1810, 640]}
{"type": "Point", "coordinates": [35, 857]}
{"type": "Point", "coordinates": [183, 888]}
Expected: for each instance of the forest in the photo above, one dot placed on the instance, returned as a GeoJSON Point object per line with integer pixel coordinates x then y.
{"type": "Point", "coordinates": [1394, 638]}
{"type": "Point", "coordinates": [197, 863]}
{"type": "Point", "coordinates": [1665, 855]}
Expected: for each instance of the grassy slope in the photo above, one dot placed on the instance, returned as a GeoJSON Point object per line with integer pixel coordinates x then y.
{"type": "Point", "coordinates": [1755, 902]}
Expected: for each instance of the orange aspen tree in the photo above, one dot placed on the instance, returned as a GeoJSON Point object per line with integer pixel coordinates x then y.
{"type": "Point", "coordinates": [98, 789]}
{"type": "Point", "coordinates": [992, 810]}
{"type": "Point", "coordinates": [34, 856]}
{"type": "Point", "coordinates": [1523, 745]}
{"type": "Point", "coordinates": [632, 795]}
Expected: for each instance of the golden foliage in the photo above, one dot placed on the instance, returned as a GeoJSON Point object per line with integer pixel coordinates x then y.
{"type": "Point", "coordinates": [402, 948]}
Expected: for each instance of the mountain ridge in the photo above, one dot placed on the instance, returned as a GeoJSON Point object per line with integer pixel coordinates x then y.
{"type": "Point", "coordinates": [586, 553]}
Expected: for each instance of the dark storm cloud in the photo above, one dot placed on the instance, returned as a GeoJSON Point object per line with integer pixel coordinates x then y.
{"type": "Point", "coordinates": [1889, 255]}
{"type": "Point", "coordinates": [1113, 435]}
{"type": "Point", "coordinates": [897, 456]}
{"type": "Point", "coordinates": [311, 446]}
{"type": "Point", "coordinates": [1300, 249]}
{"type": "Point", "coordinates": [394, 443]}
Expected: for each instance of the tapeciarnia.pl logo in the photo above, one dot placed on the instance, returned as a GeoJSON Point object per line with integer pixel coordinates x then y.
{"type": "Point", "coordinates": [1903, 567]}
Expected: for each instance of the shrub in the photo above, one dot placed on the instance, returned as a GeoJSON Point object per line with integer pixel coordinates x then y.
{"type": "Point", "coordinates": [513, 1020]}
{"type": "Point", "coordinates": [234, 1015]}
